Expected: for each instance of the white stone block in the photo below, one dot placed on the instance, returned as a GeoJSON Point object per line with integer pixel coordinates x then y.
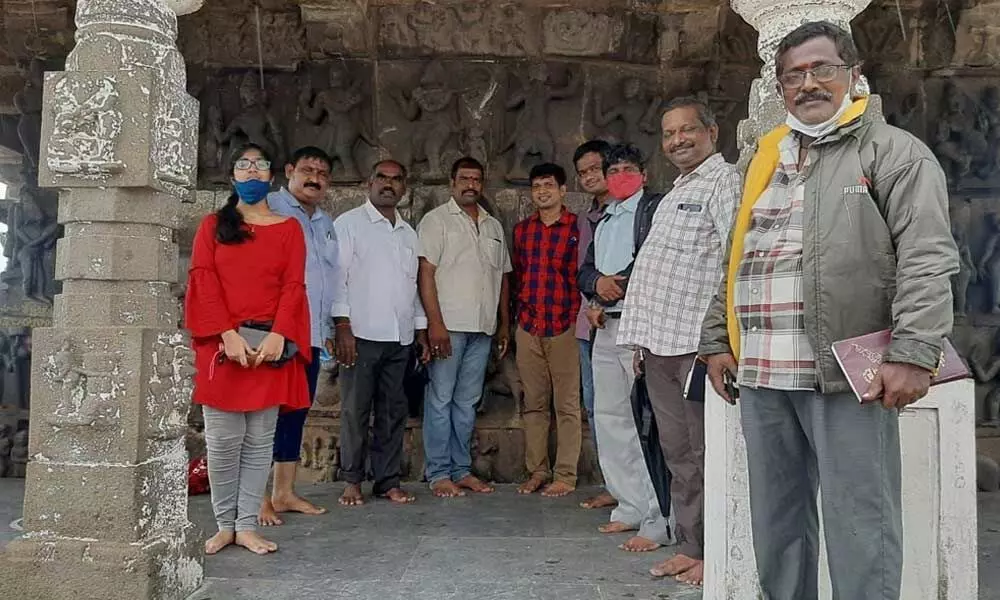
{"type": "Point", "coordinates": [937, 436]}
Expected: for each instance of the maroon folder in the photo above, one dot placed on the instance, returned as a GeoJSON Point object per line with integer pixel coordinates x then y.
{"type": "Point", "coordinates": [860, 358]}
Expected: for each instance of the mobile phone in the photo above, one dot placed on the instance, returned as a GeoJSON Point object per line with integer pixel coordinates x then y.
{"type": "Point", "coordinates": [730, 384]}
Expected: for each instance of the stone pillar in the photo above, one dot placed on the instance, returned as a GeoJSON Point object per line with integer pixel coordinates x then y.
{"type": "Point", "coordinates": [105, 509]}
{"type": "Point", "coordinates": [937, 433]}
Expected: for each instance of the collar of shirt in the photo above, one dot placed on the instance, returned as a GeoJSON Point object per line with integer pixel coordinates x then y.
{"type": "Point", "coordinates": [596, 210]}
{"type": "Point", "coordinates": [708, 165]}
{"type": "Point", "coordinates": [455, 209]}
{"type": "Point", "coordinates": [289, 198]}
{"type": "Point", "coordinates": [788, 148]}
{"type": "Point", "coordinates": [627, 205]}
{"type": "Point", "coordinates": [375, 216]}
{"type": "Point", "coordinates": [564, 217]}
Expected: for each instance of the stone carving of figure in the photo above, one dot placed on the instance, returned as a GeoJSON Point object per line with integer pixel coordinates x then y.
{"type": "Point", "coordinates": [342, 127]}
{"type": "Point", "coordinates": [17, 369]}
{"type": "Point", "coordinates": [431, 107]}
{"type": "Point", "coordinates": [531, 133]}
{"type": "Point", "coordinates": [968, 272]}
{"type": "Point", "coordinates": [255, 124]}
{"type": "Point", "coordinates": [212, 147]}
{"type": "Point", "coordinates": [19, 455]}
{"type": "Point", "coordinates": [502, 387]}
{"type": "Point", "coordinates": [475, 144]}
{"type": "Point", "coordinates": [637, 113]}
{"type": "Point", "coordinates": [484, 451]}
{"type": "Point", "coordinates": [984, 362]}
{"type": "Point", "coordinates": [5, 446]}
{"type": "Point", "coordinates": [331, 461]}
{"type": "Point", "coordinates": [86, 394]}
{"type": "Point", "coordinates": [989, 264]}
{"type": "Point", "coordinates": [36, 233]}
{"type": "Point", "coordinates": [28, 102]}
{"type": "Point", "coordinates": [957, 142]}
{"type": "Point", "coordinates": [988, 126]}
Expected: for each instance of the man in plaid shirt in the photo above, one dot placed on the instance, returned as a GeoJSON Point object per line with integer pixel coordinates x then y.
{"type": "Point", "coordinates": [675, 275]}
{"type": "Point", "coordinates": [548, 361]}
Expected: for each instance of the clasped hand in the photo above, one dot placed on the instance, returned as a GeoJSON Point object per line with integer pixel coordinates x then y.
{"type": "Point", "coordinates": [238, 350]}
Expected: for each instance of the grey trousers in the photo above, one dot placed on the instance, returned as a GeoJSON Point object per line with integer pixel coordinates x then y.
{"type": "Point", "coordinates": [618, 446]}
{"type": "Point", "coordinates": [374, 383]}
{"type": "Point", "coordinates": [681, 426]}
{"type": "Point", "coordinates": [798, 441]}
{"type": "Point", "coordinates": [239, 462]}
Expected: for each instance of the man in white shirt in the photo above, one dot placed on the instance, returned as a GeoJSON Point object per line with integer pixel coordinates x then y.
{"type": "Point", "coordinates": [377, 315]}
{"type": "Point", "coordinates": [463, 282]}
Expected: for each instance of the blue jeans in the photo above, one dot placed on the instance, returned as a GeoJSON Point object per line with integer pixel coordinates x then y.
{"type": "Point", "coordinates": [454, 388]}
{"type": "Point", "coordinates": [587, 386]}
{"type": "Point", "coordinates": [288, 431]}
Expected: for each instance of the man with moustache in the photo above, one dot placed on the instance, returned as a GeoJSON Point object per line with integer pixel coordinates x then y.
{"type": "Point", "coordinates": [465, 291]}
{"type": "Point", "coordinates": [377, 314]}
{"type": "Point", "coordinates": [842, 231]}
{"type": "Point", "coordinates": [588, 160]}
{"type": "Point", "coordinates": [604, 278]}
{"type": "Point", "coordinates": [548, 360]}
{"type": "Point", "coordinates": [674, 278]}
{"type": "Point", "coordinates": [308, 175]}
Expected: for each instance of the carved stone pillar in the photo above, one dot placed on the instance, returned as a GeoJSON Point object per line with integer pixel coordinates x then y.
{"type": "Point", "coordinates": [105, 509]}
{"type": "Point", "coordinates": [937, 433]}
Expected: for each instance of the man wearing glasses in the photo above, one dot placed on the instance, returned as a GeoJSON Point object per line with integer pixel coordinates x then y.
{"type": "Point", "coordinates": [842, 231]}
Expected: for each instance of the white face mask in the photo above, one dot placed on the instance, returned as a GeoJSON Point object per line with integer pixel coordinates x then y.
{"type": "Point", "coordinates": [819, 129]}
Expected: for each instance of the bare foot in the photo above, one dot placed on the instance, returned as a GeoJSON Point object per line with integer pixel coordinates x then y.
{"type": "Point", "coordinates": [219, 541]}
{"type": "Point", "coordinates": [602, 500]}
{"type": "Point", "coordinates": [558, 489]}
{"type": "Point", "coordinates": [267, 517]}
{"type": "Point", "coordinates": [638, 543]}
{"type": "Point", "coordinates": [352, 496]}
{"type": "Point", "coordinates": [445, 488]}
{"type": "Point", "coordinates": [252, 541]}
{"type": "Point", "coordinates": [675, 565]}
{"type": "Point", "coordinates": [693, 576]}
{"type": "Point", "coordinates": [617, 527]}
{"type": "Point", "coordinates": [399, 496]}
{"type": "Point", "coordinates": [531, 486]}
{"type": "Point", "coordinates": [471, 482]}
{"type": "Point", "coordinates": [293, 503]}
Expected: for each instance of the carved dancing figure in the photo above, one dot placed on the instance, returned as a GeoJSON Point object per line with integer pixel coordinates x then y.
{"type": "Point", "coordinates": [254, 125]}
{"type": "Point", "coordinates": [967, 274]}
{"type": "Point", "coordinates": [956, 141]}
{"type": "Point", "coordinates": [36, 233]}
{"type": "Point", "coordinates": [28, 102]}
{"type": "Point", "coordinates": [531, 133]}
{"type": "Point", "coordinates": [637, 114]}
{"type": "Point", "coordinates": [19, 455]}
{"type": "Point", "coordinates": [340, 132]}
{"type": "Point", "coordinates": [989, 264]}
{"type": "Point", "coordinates": [431, 107]}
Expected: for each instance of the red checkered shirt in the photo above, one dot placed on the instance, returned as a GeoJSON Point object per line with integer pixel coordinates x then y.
{"type": "Point", "coordinates": [545, 262]}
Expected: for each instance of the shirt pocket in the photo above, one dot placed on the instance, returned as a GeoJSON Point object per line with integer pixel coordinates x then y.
{"type": "Point", "coordinates": [690, 227]}
{"type": "Point", "coordinates": [408, 259]}
{"type": "Point", "coordinates": [492, 250]}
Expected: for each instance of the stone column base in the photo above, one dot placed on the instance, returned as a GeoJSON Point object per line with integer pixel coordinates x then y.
{"type": "Point", "coordinates": [54, 568]}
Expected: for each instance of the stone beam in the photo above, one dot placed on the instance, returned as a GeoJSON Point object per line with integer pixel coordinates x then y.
{"type": "Point", "coordinates": [105, 508]}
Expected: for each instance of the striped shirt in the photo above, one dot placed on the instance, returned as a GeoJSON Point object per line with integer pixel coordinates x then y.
{"type": "Point", "coordinates": [679, 267]}
{"type": "Point", "coordinates": [768, 297]}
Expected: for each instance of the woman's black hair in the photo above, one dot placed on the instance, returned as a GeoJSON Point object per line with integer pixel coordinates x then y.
{"type": "Point", "coordinates": [229, 229]}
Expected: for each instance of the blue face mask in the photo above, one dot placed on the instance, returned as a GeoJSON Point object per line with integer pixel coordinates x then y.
{"type": "Point", "coordinates": [252, 191]}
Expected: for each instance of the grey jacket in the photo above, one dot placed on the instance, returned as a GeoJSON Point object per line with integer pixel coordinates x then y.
{"type": "Point", "coordinates": [877, 249]}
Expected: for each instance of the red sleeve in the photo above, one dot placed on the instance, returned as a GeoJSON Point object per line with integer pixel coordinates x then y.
{"type": "Point", "coordinates": [292, 318]}
{"type": "Point", "coordinates": [205, 311]}
{"type": "Point", "coordinates": [518, 267]}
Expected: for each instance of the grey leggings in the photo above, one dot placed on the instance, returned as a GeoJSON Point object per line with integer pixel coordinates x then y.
{"type": "Point", "coordinates": [239, 462]}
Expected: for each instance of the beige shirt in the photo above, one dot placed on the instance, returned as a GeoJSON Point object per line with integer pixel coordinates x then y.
{"type": "Point", "coordinates": [470, 265]}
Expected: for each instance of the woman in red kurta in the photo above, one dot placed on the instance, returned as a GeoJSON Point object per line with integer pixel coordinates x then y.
{"type": "Point", "coordinates": [247, 264]}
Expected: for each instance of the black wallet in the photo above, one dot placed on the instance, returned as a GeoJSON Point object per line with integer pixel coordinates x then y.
{"type": "Point", "coordinates": [254, 333]}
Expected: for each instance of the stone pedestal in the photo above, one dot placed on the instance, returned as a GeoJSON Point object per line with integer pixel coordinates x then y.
{"type": "Point", "coordinates": [939, 501]}
{"type": "Point", "coordinates": [105, 510]}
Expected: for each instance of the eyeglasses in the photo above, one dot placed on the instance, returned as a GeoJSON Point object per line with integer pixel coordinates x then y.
{"type": "Point", "coordinates": [822, 74]}
{"type": "Point", "coordinates": [262, 164]}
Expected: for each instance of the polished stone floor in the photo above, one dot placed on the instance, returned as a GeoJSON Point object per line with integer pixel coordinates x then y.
{"type": "Point", "coordinates": [484, 548]}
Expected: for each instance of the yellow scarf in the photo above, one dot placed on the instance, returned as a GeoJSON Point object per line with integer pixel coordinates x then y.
{"type": "Point", "coordinates": [759, 175]}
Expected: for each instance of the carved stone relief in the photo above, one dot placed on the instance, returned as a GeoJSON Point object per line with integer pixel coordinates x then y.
{"type": "Point", "coordinates": [28, 103]}
{"type": "Point", "coordinates": [86, 125]}
{"type": "Point", "coordinates": [170, 386]}
{"type": "Point", "coordinates": [470, 28]}
{"type": "Point", "coordinates": [965, 133]}
{"type": "Point", "coordinates": [572, 32]}
{"type": "Point", "coordinates": [228, 38]}
{"type": "Point", "coordinates": [977, 35]}
{"type": "Point", "coordinates": [628, 111]}
{"type": "Point", "coordinates": [30, 248]}
{"type": "Point", "coordinates": [88, 387]}
{"type": "Point", "coordinates": [335, 30]}
{"type": "Point", "coordinates": [254, 123]}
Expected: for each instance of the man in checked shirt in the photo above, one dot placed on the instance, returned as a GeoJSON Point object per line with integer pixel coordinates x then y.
{"type": "Point", "coordinates": [676, 272]}
{"type": "Point", "coordinates": [548, 360]}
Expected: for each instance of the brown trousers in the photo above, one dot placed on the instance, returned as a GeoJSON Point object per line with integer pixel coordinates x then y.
{"type": "Point", "coordinates": [681, 424]}
{"type": "Point", "coordinates": [550, 374]}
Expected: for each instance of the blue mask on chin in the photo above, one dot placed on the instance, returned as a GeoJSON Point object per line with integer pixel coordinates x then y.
{"type": "Point", "coordinates": [252, 191]}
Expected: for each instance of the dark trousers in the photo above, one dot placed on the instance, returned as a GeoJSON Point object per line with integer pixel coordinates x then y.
{"type": "Point", "coordinates": [288, 431]}
{"type": "Point", "coordinates": [649, 439]}
{"type": "Point", "coordinates": [375, 382]}
{"type": "Point", "coordinates": [681, 424]}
